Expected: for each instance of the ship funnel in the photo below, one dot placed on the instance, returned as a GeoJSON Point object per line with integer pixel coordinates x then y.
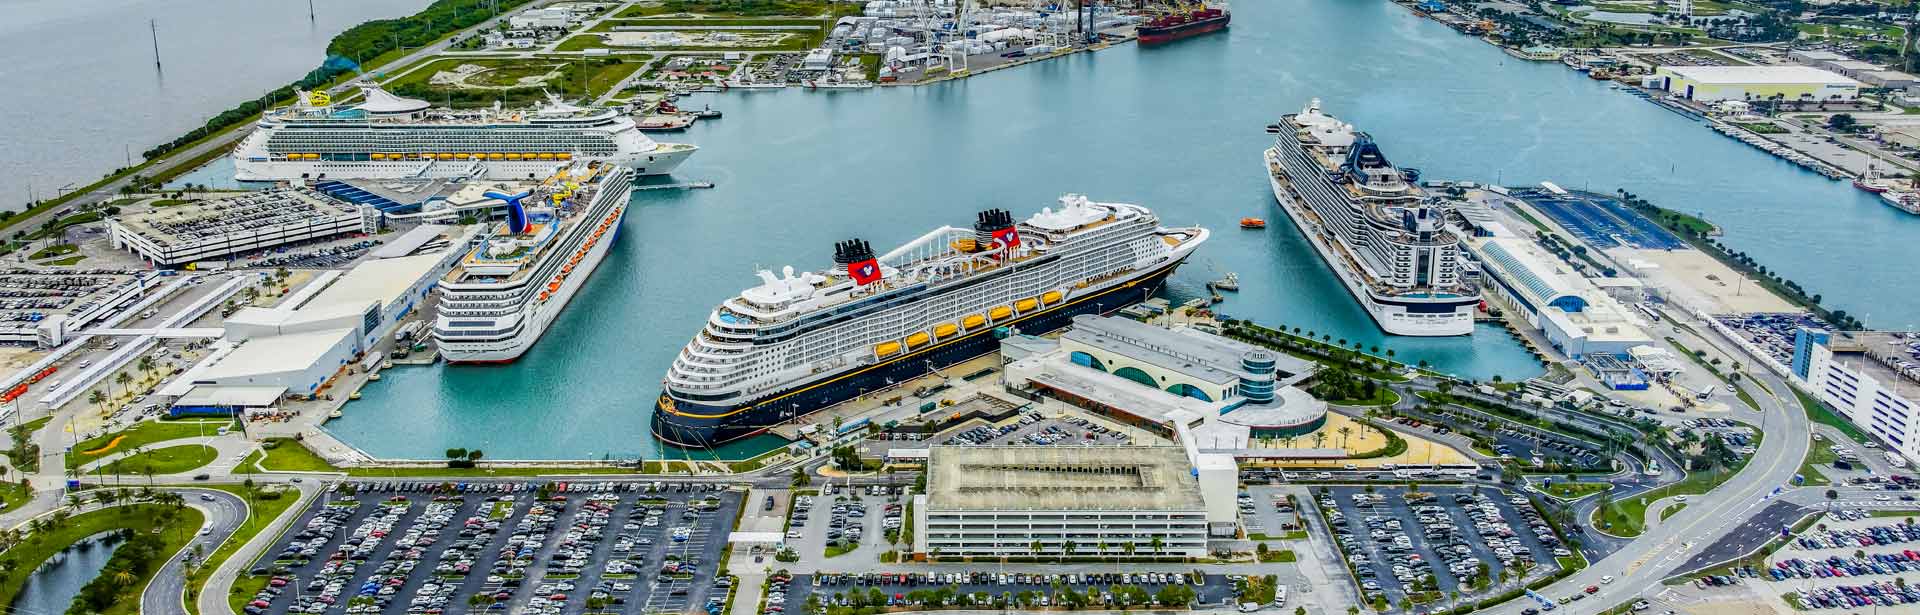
{"type": "Point", "coordinates": [986, 222]}
{"type": "Point", "coordinates": [851, 251]}
{"type": "Point", "coordinates": [516, 213]}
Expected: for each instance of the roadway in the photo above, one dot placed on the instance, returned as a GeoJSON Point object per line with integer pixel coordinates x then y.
{"type": "Point", "coordinates": [164, 595]}
{"type": "Point", "coordinates": [1639, 566]}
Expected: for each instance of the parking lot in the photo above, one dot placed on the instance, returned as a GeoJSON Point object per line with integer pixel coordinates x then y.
{"type": "Point", "coordinates": [855, 523]}
{"type": "Point", "coordinates": [984, 586]}
{"type": "Point", "coordinates": [417, 547]}
{"type": "Point", "coordinates": [1399, 544]}
{"type": "Point", "coordinates": [1849, 561]}
{"type": "Point", "coordinates": [1033, 429]}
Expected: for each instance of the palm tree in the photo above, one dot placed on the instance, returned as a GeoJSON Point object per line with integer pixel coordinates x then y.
{"type": "Point", "coordinates": [123, 379]}
{"type": "Point", "coordinates": [1345, 433]}
{"type": "Point", "coordinates": [98, 399]}
{"type": "Point", "coordinates": [1319, 439]}
{"type": "Point", "coordinates": [1129, 547]}
{"type": "Point", "coordinates": [145, 365]}
{"type": "Point", "coordinates": [1158, 544]}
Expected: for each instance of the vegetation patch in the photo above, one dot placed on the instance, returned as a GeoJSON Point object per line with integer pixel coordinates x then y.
{"type": "Point", "coordinates": [145, 433]}
{"type": "Point", "coordinates": [168, 460]}
{"type": "Point", "coordinates": [288, 455]}
{"type": "Point", "coordinates": [161, 529]}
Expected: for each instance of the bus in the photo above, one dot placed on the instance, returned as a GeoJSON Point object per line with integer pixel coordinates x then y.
{"type": "Point", "coordinates": [1707, 393]}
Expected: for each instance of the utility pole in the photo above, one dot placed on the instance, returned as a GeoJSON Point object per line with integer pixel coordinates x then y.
{"type": "Point", "coordinates": [153, 28]}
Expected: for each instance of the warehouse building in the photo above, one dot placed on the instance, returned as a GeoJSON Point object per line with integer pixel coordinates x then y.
{"type": "Point", "coordinates": [1132, 502]}
{"type": "Point", "coordinates": [221, 229]}
{"type": "Point", "coordinates": [1745, 83]}
{"type": "Point", "coordinates": [1577, 318]}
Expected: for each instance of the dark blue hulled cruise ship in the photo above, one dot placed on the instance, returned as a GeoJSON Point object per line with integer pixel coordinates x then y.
{"type": "Point", "coordinates": [799, 342]}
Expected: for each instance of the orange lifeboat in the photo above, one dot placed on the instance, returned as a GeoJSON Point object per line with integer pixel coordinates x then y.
{"type": "Point", "coordinates": [1253, 223]}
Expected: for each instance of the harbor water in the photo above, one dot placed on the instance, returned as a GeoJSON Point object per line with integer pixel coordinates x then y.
{"type": "Point", "coordinates": [85, 98]}
{"type": "Point", "coordinates": [1178, 128]}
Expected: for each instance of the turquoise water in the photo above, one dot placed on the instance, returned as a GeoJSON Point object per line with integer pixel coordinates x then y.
{"type": "Point", "coordinates": [1177, 128]}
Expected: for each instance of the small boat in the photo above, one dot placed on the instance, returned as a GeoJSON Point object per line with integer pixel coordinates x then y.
{"type": "Point", "coordinates": [1230, 282]}
{"type": "Point", "coordinates": [1873, 181]}
{"type": "Point", "coordinates": [1253, 223]}
{"type": "Point", "coordinates": [1904, 201]}
{"type": "Point", "coordinates": [707, 113]}
{"type": "Point", "coordinates": [337, 414]}
{"type": "Point", "coordinates": [373, 377]}
{"type": "Point", "coordinates": [386, 365]}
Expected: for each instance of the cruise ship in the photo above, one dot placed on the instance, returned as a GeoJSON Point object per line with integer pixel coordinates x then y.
{"type": "Point", "coordinates": [498, 300]}
{"type": "Point", "coordinates": [389, 137]}
{"type": "Point", "coordinates": [1384, 237]}
{"type": "Point", "coordinates": [800, 342]}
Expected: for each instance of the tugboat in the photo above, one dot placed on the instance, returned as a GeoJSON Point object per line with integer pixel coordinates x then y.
{"type": "Point", "coordinates": [1230, 282]}
{"type": "Point", "coordinates": [1183, 23]}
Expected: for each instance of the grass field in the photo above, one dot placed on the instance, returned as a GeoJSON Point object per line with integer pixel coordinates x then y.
{"type": "Point", "coordinates": [145, 433]}
{"type": "Point", "coordinates": [286, 455]}
{"type": "Point", "coordinates": [1575, 490]}
{"type": "Point", "coordinates": [1628, 517]}
{"type": "Point", "coordinates": [744, 8]}
{"type": "Point", "coordinates": [1817, 457]}
{"type": "Point", "coordinates": [18, 562]}
{"type": "Point", "coordinates": [168, 460]}
{"type": "Point", "coordinates": [1820, 413]}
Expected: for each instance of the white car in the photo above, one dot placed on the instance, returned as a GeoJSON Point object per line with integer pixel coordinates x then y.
{"type": "Point", "coordinates": [1606, 580]}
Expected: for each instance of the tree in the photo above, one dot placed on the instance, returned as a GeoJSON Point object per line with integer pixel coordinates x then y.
{"type": "Point", "coordinates": [456, 453]}
{"type": "Point", "coordinates": [1346, 432]}
{"type": "Point", "coordinates": [474, 455]}
{"type": "Point", "coordinates": [97, 398]}
{"type": "Point", "coordinates": [1842, 122]}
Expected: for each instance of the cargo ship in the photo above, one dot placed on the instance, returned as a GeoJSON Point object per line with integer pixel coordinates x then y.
{"type": "Point", "coordinates": [802, 341]}
{"type": "Point", "coordinates": [1183, 24]}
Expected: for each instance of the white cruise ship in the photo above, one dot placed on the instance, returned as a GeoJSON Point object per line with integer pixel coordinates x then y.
{"type": "Point", "coordinates": [504, 294]}
{"type": "Point", "coordinates": [389, 137]}
{"type": "Point", "coordinates": [1383, 236]}
{"type": "Point", "coordinates": [799, 342]}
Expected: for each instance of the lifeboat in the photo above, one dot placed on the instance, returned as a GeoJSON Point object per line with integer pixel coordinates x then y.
{"type": "Point", "coordinates": [918, 339]}
{"type": "Point", "coordinates": [1253, 223]}
{"type": "Point", "coordinates": [496, 156]}
{"type": "Point", "coordinates": [999, 311]}
{"type": "Point", "coordinates": [309, 156]}
{"type": "Point", "coordinates": [945, 329]}
{"type": "Point", "coordinates": [443, 156]}
{"type": "Point", "coordinates": [563, 156]}
{"type": "Point", "coordinates": [513, 156]}
{"type": "Point", "coordinates": [544, 295]}
{"type": "Point", "coordinates": [886, 349]}
{"type": "Point", "coordinates": [966, 244]}
{"type": "Point", "coordinates": [1051, 297]}
{"type": "Point", "coordinates": [1026, 304]}
{"type": "Point", "coordinates": [546, 156]}
{"type": "Point", "coordinates": [378, 156]}
{"type": "Point", "coordinates": [973, 321]}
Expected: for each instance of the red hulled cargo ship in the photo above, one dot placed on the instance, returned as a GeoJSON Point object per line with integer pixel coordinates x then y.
{"type": "Point", "coordinates": [1182, 25]}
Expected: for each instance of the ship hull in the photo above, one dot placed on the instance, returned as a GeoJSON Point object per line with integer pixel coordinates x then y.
{"type": "Point", "coordinates": [537, 317]}
{"type": "Point", "coordinates": [1412, 318]}
{"type": "Point", "coordinates": [700, 426]}
{"type": "Point", "coordinates": [1155, 36]}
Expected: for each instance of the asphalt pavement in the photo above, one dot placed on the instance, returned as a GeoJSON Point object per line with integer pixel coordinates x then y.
{"type": "Point", "coordinates": [165, 594]}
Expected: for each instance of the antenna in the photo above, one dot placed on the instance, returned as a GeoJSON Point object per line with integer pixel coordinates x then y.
{"type": "Point", "coordinates": [153, 28]}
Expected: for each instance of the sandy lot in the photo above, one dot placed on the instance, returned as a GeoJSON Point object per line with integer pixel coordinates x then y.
{"type": "Point", "coordinates": [1698, 282]}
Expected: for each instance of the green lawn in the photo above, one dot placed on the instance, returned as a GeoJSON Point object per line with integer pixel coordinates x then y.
{"type": "Point", "coordinates": [17, 563]}
{"type": "Point", "coordinates": [145, 433]}
{"type": "Point", "coordinates": [168, 460]}
{"type": "Point", "coordinates": [1383, 396]}
{"type": "Point", "coordinates": [1818, 456]}
{"type": "Point", "coordinates": [286, 455]}
{"type": "Point", "coordinates": [263, 509]}
{"type": "Point", "coordinates": [251, 464]}
{"type": "Point", "coordinates": [13, 494]}
{"type": "Point", "coordinates": [1820, 413]}
{"type": "Point", "coordinates": [1671, 510]}
{"type": "Point", "coordinates": [51, 251]}
{"type": "Point", "coordinates": [62, 262]}
{"type": "Point", "coordinates": [609, 25]}
{"type": "Point", "coordinates": [1575, 490]}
